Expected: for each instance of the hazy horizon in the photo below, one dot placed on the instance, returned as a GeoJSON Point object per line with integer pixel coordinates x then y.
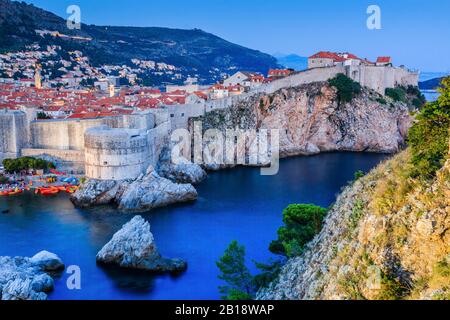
{"type": "Point", "coordinates": [414, 35]}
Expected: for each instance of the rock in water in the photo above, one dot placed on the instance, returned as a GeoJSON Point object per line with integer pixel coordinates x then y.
{"type": "Point", "coordinates": [28, 278]}
{"type": "Point", "coordinates": [47, 261]}
{"type": "Point", "coordinates": [96, 192]}
{"type": "Point", "coordinates": [183, 172]}
{"type": "Point", "coordinates": [148, 192]}
{"type": "Point", "coordinates": [134, 247]}
{"type": "Point", "coordinates": [152, 192]}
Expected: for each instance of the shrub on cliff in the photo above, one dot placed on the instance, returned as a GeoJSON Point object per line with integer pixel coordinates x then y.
{"type": "Point", "coordinates": [347, 89]}
{"type": "Point", "coordinates": [429, 136]}
{"type": "Point", "coordinates": [417, 97]}
{"type": "Point", "coordinates": [301, 223]}
{"type": "Point", "coordinates": [397, 94]}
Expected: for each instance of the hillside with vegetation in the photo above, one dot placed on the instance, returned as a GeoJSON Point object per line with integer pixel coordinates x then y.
{"type": "Point", "coordinates": [431, 84]}
{"type": "Point", "coordinates": [195, 51]}
{"type": "Point", "coordinates": [388, 234]}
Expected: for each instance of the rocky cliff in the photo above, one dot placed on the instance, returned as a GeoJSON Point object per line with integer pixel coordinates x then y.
{"type": "Point", "coordinates": [311, 120]}
{"type": "Point", "coordinates": [386, 237]}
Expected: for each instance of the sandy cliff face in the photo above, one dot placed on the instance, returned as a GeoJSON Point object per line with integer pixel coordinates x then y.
{"type": "Point", "coordinates": [311, 120]}
{"type": "Point", "coordinates": [386, 237]}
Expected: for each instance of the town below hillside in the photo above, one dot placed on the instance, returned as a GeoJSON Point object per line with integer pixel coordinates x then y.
{"type": "Point", "coordinates": [65, 85]}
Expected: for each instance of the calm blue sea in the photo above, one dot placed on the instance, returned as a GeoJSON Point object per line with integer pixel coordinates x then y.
{"type": "Point", "coordinates": [237, 204]}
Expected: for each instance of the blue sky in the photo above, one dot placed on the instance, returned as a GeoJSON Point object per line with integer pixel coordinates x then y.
{"type": "Point", "coordinates": [414, 32]}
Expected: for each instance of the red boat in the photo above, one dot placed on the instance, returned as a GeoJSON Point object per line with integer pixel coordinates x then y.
{"type": "Point", "coordinates": [17, 191]}
{"type": "Point", "coordinates": [49, 191]}
{"type": "Point", "coordinates": [6, 193]}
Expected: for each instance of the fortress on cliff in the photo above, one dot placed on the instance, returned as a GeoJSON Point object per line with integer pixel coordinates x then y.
{"type": "Point", "coordinates": [378, 75]}
{"type": "Point", "coordinates": [123, 147]}
{"type": "Point", "coordinates": [110, 148]}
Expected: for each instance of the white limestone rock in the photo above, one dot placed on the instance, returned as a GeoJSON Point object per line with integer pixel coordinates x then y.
{"type": "Point", "coordinates": [47, 261]}
{"type": "Point", "coordinates": [28, 278]}
{"type": "Point", "coordinates": [134, 247]}
{"type": "Point", "coordinates": [96, 192]}
{"type": "Point", "coordinates": [310, 119]}
{"type": "Point", "coordinates": [153, 192]}
{"type": "Point", "coordinates": [148, 192]}
{"type": "Point", "coordinates": [184, 171]}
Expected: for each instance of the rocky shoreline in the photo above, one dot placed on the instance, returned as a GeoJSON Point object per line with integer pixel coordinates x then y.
{"type": "Point", "coordinates": [148, 192]}
{"type": "Point", "coordinates": [362, 254]}
{"type": "Point", "coordinates": [23, 278]}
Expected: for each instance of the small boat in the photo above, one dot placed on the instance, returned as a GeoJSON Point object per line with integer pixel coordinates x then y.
{"type": "Point", "coordinates": [4, 193]}
{"type": "Point", "coordinates": [49, 191]}
{"type": "Point", "coordinates": [57, 172]}
{"type": "Point", "coordinates": [17, 191]}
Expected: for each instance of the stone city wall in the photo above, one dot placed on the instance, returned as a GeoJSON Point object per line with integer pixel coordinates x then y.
{"type": "Point", "coordinates": [61, 134]}
{"type": "Point", "coordinates": [157, 138]}
{"type": "Point", "coordinates": [13, 133]}
{"type": "Point", "coordinates": [377, 78]}
{"type": "Point", "coordinates": [180, 114]}
{"type": "Point", "coordinates": [66, 160]}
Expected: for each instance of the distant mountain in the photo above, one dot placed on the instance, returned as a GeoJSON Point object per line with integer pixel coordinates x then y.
{"type": "Point", "coordinates": [195, 51]}
{"type": "Point", "coordinates": [293, 61]}
{"type": "Point", "coordinates": [431, 84]}
{"type": "Point", "coordinates": [424, 76]}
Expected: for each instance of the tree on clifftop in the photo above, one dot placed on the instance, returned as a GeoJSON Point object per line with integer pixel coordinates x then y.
{"type": "Point", "coordinates": [429, 136]}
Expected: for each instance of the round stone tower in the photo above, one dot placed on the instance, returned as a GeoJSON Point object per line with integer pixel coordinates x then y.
{"type": "Point", "coordinates": [115, 154]}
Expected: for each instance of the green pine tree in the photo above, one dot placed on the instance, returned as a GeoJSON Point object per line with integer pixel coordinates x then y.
{"type": "Point", "coordinates": [240, 285]}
